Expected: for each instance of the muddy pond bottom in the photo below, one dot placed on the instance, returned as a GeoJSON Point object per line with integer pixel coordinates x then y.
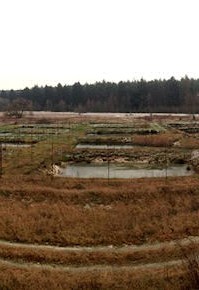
{"type": "Point", "coordinates": [116, 171]}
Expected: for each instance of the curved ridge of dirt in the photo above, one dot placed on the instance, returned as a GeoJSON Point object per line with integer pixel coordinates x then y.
{"type": "Point", "coordinates": [139, 267]}
{"type": "Point", "coordinates": [143, 247]}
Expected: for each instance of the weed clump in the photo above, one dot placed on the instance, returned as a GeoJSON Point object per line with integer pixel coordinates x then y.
{"type": "Point", "coordinates": [191, 263]}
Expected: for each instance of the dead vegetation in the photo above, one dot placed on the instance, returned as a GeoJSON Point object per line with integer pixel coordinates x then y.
{"type": "Point", "coordinates": [94, 213]}
{"type": "Point", "coordinates": [30, 277]}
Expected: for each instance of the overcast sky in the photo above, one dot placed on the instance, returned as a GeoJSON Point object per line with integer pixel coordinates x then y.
{"type": "Point", "coordinates": [64, 41]}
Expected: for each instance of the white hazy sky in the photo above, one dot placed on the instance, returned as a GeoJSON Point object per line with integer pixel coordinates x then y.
{"type": "Point", "coordinates": [51, 41]}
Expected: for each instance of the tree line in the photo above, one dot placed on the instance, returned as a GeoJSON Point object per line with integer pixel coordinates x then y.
{"type": "Point", "coordinates": [131, 96]}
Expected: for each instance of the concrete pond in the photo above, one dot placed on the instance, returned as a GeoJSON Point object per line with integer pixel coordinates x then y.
{"type": "Point", "coordinates": [83, 170]}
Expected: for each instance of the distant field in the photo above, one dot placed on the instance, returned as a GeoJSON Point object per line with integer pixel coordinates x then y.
{"type": "Point", "coordinates": [48, 114]}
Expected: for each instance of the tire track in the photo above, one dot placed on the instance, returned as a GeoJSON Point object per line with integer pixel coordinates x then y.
{"type": "Point", "coordinates": [115, 268]}
{"type": "Point", "coordinates": [132, 266]}
{"type": "Point", "coordinates": [136, 248]}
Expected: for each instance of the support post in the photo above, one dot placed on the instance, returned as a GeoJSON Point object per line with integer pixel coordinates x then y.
{"type": "Point", "coordinates": [1, 161]}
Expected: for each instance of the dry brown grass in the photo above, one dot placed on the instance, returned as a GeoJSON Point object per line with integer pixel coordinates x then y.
{"type": "Point", "coordinates": [23, 277]}
{"type": "Point", "coordinates": [93, 213]}
{"type": "Point", "coordinates": [157, 140]}
{"type": "Point", "coordinates": [160, 140]}
{"type": "Point", "coordinates": [191, 264]}
{"type": "Point", "coordinates": [189, 142]}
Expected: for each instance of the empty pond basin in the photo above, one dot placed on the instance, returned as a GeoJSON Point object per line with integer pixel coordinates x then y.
{"type": "Point", "coordinates": [116, 171]}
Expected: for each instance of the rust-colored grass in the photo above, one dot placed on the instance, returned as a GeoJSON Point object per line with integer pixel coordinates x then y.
{"type": "Point", "coordinates": [93, 213]}
{"type": "Point", "coordinates": [160, 140]}
{"type": "Point", "coordinates": [30, 277]}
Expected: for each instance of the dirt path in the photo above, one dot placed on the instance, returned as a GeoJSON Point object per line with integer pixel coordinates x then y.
{"type": "Point", "coordinates": [126, 248]}
{"type": "Point", "coordinates": [54, 267]}
{"type": "Point", "coordinates": [133, 266]}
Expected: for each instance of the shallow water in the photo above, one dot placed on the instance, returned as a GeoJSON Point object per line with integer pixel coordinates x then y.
{"type": "Point", "coordinates": [14, 145]}
{"type": "Point", "coordinates": [5, 134]}
{"type": "Point", "coordinates": [116, 171]}
{"type": "Point", "coordinates": [93, 146]}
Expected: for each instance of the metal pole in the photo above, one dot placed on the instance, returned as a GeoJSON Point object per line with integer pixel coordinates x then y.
{"type": "Point", "coordinates": [108, 165]}
{"type": "Point", "coordinates": [166, 167]}
{"type": "Point", "coordinates": [52, 155]}
{"type": "Point", "coordinates": [1, 161]}
{"type": "Point", "coordinates": [52, 150]}
{"type": "Point", "coordinates": [31, 148]}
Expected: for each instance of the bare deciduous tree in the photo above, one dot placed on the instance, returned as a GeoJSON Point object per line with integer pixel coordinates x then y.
{"type": "Point", "coordinates": [17, 107]}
